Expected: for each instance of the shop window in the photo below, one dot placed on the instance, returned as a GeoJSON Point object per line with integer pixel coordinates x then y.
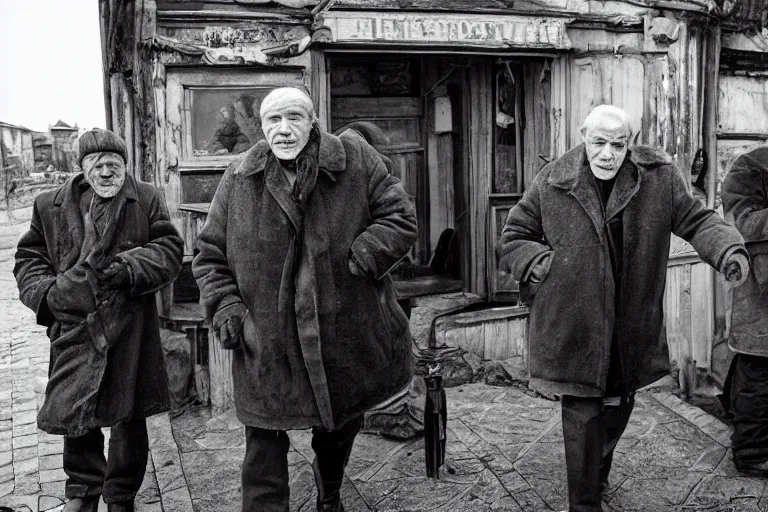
{"type": "Point", "coordinates": [507, 128]}
{"type": "Point", "coordinates": [522, 141]}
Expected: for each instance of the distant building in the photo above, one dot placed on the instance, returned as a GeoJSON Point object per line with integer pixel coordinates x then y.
{"type": "Point", "coordinates": [16, 150]}
{"type": "Point", "coordinates": [62, 149]}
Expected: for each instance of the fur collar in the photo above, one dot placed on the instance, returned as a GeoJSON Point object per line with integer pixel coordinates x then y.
{"type": "Point", "coordinates": [332, 156]}
{"type": "Point", "coordinates": [565, 170]}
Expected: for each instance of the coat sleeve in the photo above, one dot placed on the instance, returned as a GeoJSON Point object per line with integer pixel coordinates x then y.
{"type": "Point", "coordinates": [33, 268]}
{"type": "Point", "coordinates": [744, 198]}
{"type": "Point", "coordinates": [522, 241]}
{"type": "Point", "coordinates": [156, 263]}
{"type": "Point", "coordinates": [393, 231]}
{"type": "Point", "coordinates": [703, 228]}
{"type": "Point", "coordinates": [210, 267]}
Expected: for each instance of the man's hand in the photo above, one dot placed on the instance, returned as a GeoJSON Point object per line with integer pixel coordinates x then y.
{"type": "Point", "coordinates": [541, 269]}
{"type": "Point", "coordinates": [117, 275]}
{"type": "Point", "coordinates": [355, 267]}
{"type": "Point", "coordinates": [228, 325]}
{"type": "Point", "coordinates": [736, 269]}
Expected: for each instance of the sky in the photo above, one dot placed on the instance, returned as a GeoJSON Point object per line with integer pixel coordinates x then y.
{"type": "Point", "coordinates": [50, 63]}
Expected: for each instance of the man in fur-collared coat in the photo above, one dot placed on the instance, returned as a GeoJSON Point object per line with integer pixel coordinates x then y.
{"type": "Point", "coordinates": [589, 243]}
{"type": "Point", "coordinates": [292, 268]}
{"type": "Point", "coordinates": [97, 249]}
{"type": "Point", "coordinates": [745, 202]}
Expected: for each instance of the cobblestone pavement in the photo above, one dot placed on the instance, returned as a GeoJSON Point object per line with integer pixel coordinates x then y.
{"type": "Point", "coordinates": [504, 449]}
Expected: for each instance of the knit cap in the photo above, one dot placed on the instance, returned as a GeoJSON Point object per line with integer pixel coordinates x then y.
{"type": "Point", "coordinates": [98, 140]}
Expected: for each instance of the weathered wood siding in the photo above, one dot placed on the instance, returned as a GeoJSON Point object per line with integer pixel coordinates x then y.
{"type": "Point", "coordinates": [688, 314]}
{"type": "Point", "coordinates": [498, 333]}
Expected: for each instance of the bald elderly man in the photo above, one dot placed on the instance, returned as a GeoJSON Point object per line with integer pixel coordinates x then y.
{"type": "Point", "coordinates": [293, 269]}
{"type": "Point", "coordinates": [589, 244]}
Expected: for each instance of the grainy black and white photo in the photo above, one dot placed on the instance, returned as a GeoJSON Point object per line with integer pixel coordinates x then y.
{"type": "Point", "coordinates": [383, 256]}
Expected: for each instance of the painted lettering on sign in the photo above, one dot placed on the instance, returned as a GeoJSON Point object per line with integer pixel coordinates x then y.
{"type": "Point", "coordinates": [456, 29]}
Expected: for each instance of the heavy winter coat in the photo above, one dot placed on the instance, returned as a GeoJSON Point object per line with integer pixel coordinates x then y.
{"type": "Point", "coordinates": [321, 345]}
{"type": "Point", "coordinates": [745, 201]}
{"type": "Point", "coordinates": [573, 311]}
{"type": "Point", "coordinates": [106, 362]}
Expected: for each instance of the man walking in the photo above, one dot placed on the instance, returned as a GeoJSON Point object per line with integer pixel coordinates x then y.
{"type": "Point", "coordinates": [745, 201]}
{"type": "Point", "coordinates": [97, 249]}
{"type": "Point", "coordinates": [292, 269]}
{"type": "Point", "coordinates": [589, 244]}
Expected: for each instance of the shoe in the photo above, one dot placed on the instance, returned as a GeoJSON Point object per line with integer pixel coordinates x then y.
{"type": "Point", "coordinates": [759, 469]}
{"type": "Point", "coordinates": [88, 504]}
{"type": "Point", "coordinates": [330, 507]}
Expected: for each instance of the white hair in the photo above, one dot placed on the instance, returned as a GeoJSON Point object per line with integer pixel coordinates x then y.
{"type": "Point", "coordinates": [288, 94]}
{"type": "Point", "coordinates": [601, 112]}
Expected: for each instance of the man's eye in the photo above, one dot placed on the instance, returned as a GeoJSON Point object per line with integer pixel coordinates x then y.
{"type": "Point", "coordinates": [618, 145]}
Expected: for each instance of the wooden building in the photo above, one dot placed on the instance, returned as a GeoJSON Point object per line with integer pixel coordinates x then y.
{"type": "Point", "coordinates": [474, 96]}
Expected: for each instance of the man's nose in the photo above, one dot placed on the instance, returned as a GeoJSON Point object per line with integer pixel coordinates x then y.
{"type": "Point", "coordinates": [606, 152]}
{"type": "Point", "coordinates": [283, 127]}
{"type": "Point", "coordinates": [105, 171]}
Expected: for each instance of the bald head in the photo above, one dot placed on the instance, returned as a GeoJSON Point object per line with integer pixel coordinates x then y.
{"type": "Point", "coordinates": [606, 133]}
{"type": "Point", "coordinates": [287, 116]}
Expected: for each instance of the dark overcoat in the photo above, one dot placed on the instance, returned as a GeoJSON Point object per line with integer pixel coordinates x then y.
{"type": "Point", "coordinates": [321, 345]}
{"type": "Point", "coordinates": [574, 310]}
{"type": "Point", "coordinates": [106, 362]}
{"type": "Point", "coordinates": [745, 202]}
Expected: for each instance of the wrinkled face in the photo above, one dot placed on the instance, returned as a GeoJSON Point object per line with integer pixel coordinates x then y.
{"type": "Point", "coordinates": [606, 144]}
{"type": "Point", "coordinates": [105, 172]}
{"type": "Point", "coordinates": [287, 124]}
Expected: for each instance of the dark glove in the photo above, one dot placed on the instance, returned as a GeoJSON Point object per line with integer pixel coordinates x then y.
{"type": "Point", "coordinates": [228, 325]}
{"type": "Point", "coordinates": [736, 269]}
{"type": "Point", "coordinates": [117, 275]}
{"type": "Point", "coordinates": [355, 267]}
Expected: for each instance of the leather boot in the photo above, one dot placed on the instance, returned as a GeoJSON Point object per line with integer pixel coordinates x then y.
{"type": "Point", "coordinates": [88, 504]}
{"type": "Point", "coordinates": [123, 506]}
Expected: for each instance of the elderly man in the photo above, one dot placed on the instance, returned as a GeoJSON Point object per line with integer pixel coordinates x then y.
{"type": "Point", "coordinates": [745, 201]}
{"type": "Point", "coordinates": [292, 269]}
{"type": "Point", "coordinates": [97, 249]}
{"type": "Point", "coordinates": [589, 243]}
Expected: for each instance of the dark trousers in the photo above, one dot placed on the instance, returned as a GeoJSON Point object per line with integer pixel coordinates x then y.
{"type": "Point", "coordinates": [116, 478]}
{"type": "Point", "coordinates": [747, 387]}
{"type": "Point", "coordinates": [590, 433]}
{"type": "Point", "coordinates": [265, 467]}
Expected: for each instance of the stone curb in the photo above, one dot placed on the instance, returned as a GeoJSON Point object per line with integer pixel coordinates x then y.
{"type": "Point", "coordinates": [707, 423]}
{"type": "Point", "coordinates": [174, 491]}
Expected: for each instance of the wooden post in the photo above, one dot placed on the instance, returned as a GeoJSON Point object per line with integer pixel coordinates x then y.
{"type": "Point", "coordinates": [106, 51]}
{"type": "Point", "coordinates": [711, 76]}
{"type": "Point", "coordinates": [320, 88]}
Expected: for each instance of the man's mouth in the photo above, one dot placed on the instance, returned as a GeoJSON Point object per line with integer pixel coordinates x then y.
{"type": "Point", "coordinates": [286, 143]}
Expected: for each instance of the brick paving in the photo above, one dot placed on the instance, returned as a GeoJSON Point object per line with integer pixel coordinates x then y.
{"type": "Point", "coordinates": [504, 449]}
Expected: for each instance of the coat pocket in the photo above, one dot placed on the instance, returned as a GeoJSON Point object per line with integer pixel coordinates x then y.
{"type": "Point", "coordinates": [758, 254]}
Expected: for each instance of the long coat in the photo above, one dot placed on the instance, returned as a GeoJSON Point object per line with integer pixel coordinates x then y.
{"type": "Point", "coordinates": [745, 201]}
{"type": "Point", "coordinates": [106, 362]}
{"type": "Point", "coordinates": [573, 312]}
{"type": "Point", "coordinates": [321, 345]}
